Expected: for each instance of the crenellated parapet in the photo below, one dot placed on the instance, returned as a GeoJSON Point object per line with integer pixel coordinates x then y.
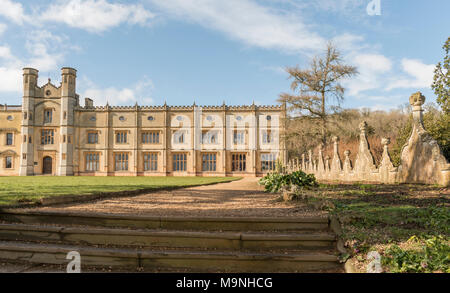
{"type": "Point", "coordinates": [421, 158]}
{"type": "Point", "coordinates": [233, 108]}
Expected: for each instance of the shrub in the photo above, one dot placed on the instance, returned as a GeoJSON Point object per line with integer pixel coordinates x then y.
{"type": "Point", "coordinates": [274, 182]}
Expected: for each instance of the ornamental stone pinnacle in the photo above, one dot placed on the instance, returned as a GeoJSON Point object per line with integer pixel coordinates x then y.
{"type": "Point", "coordinates": [417, 99]}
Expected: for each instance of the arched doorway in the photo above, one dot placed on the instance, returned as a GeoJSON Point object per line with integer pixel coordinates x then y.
{"type": "Point", "coordinates": [47, 165]}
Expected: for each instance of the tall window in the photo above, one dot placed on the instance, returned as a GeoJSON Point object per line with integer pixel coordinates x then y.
{"type": "Point", "coordinates": [267, 136]}
{"type": "Point", "coordinates": [238, 162]}
{"type": "Point", "coordinates": [121, 160]}
{"type": "Point", "coordinates": [178, 137]}
{"type": "Point", "coordinates": [48, 115]}
{"type": "Point", "coordinates": [268, 162]}
{"type": "Point", "coordinates": [121, 137]}
{"type": "Point", "coordinates": [47, 136]}
{"type": "Point", "coordinates": [209, 162]}
{"type": "Point", "coordinates": [92, 161]}
{"type": "Point", "coordinates": [238, 137]}
{"type": "Point", "coordinates": [92, 137]}
{"type": "Point", "coordinates": [151, 162]}
{"type": "Point", "coordinates": [179, 162]}
{"type": "Point", "coordinates": [8, 162]}
{"type": "Point", "coordinates": [150, 137]}
{"type": "Point", "coordinates": [9, 139]}
{"type": "Point", "coordinates": [210, 137]}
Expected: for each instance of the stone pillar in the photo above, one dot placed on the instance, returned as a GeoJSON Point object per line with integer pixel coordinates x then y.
{"type": "Point", "coordinates": [68, 102]}
{"type": "Point", "coordinates": [364, 162]}
{"type": "Point", "coordinates": [136, 151]}
{"type": "Point", "coordinates": [196, 135]}
{"type": "Point", "coordinates": [303, 163]}
{"type": "Point", "coordinates": [320, 166]}
{"type": "Point", "coordinates": [310, 163]}
{"type": "Point", "coordinates": [347, 163]}
{"type": "Point", "coordinates": [30, 78]}
{"type": "Point", "coordinates": [106, 160]}
{"type": "Point", "coordinates": [422, 160]}
{"type": "Point", "coordinates": [336, 166]}
{"type": "Point", "coordinates": [327, 164]}
{"type": "Point", "coordinates": [386, 166]}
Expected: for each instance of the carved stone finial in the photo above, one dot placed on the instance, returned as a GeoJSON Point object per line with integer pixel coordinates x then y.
{"type": "Point", "coordinates": [335, 139]}
{"type": "Point", "coordinates": [417, 99]}
{"type": "Point", "coordinates": [49, 80]}
{"type": "Point", "coordinates": [385, 141]}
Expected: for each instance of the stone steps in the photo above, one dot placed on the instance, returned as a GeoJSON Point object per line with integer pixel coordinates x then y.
{"type": "Point", "coordinates": [162, 260]}
{"type": "Point", "coordinates": [168, 238]}
{"type": "Point", "coordinates": [172, 223]}
{"type": "Point", "coordinates": [195, 244]}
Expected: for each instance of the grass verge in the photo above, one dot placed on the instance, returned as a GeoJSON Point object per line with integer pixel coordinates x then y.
{"type": "Point", "coordinates": [17, 190]}
{"type": "Point", "coordinates": [408, 225]}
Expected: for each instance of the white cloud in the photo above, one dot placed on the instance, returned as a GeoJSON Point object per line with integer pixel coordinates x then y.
{"type": "Point", "coordinates": [372, 69]}
{"type": "Point", "coordinates": [46, 52]}
{"type": "Point", "coordinates": [96, 15]}
{"type": "Point", "coordinates": [349, 42]}
{"type": "Point", "coordinates": [5, 52]}
{"type": "Point", "coordinates": [419, 75]}
{"type": "Point", "coordinates": [2, 28]}
{"type": "Point", "coordinates": [10, 79]}
{"type": "Point", "coordinates": [10, 71]}
{"type": "Point", "coordinates": [373, 62]}
{"type": "Point", "coordinates": [139, 92]}
{"type": "Point", "coordinates": [12, 11]}
{"type": "Point", "coordinates": [246, 21]}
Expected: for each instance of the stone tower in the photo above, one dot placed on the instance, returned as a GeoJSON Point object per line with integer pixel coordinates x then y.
{"type": "Point", "coordinates": [30, 77]}
{"type": "Point", "coordinates": [68, 102]}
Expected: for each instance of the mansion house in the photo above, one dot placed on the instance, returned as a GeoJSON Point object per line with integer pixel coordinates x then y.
{"type": "Point", "coordinates": [51, 133]}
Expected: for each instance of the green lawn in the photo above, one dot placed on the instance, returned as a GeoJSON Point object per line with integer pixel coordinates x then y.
{"type": "Point", "coordinates": [15, 190]}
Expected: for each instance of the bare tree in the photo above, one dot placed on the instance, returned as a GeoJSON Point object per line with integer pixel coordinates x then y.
{"type": "Point", "coordinates": [317, 86]}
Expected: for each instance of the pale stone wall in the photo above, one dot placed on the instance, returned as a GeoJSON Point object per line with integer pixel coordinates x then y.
{"type": "Point", "coordinates": [10, 117]}
{"type": "Point", "coordinates": [421, 161]}
{"type": "Point", "coordinates": [72, 123]}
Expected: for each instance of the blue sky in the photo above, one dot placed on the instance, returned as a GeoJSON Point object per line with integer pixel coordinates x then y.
{"type": "Point", "coordinates": [211, 51]}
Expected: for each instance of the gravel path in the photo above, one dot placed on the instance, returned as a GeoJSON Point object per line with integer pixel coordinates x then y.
{"type": "Point", "coordinates": [242, 198]}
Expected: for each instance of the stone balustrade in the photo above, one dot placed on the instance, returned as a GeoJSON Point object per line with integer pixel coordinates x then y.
{"type": "Point", "coordinates": [421, 159]}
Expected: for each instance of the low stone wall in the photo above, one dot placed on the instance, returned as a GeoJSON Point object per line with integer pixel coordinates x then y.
{"type": "Point", "coordinates": [421, 161]}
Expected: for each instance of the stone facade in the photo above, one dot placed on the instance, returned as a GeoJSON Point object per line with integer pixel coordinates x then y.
{"type": "Point", "coordinates": [421, 161]}
{"type": "Point", "coordinates": [50, 133]}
